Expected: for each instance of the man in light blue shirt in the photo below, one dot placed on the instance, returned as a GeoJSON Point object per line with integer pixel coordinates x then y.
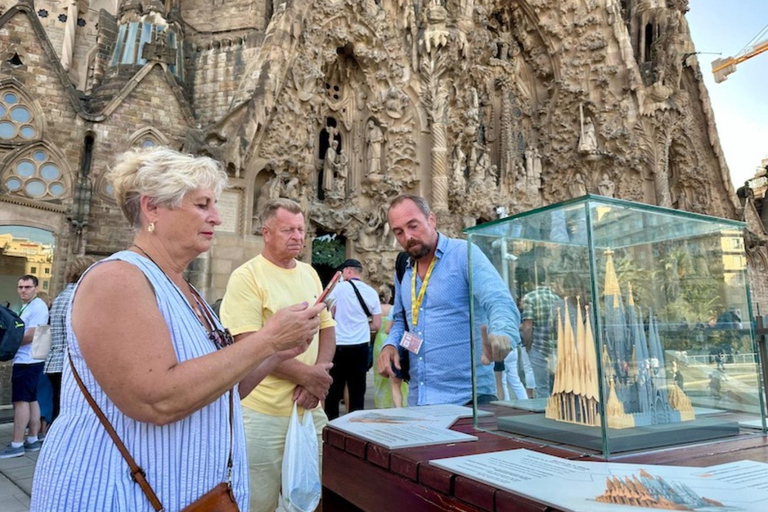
{"type": "Point", "coordinates": [434, 299]}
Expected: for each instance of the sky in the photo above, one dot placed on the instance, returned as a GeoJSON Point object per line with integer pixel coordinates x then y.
{"type": "Point", "coordinates": [740, 103]}
{"type": "Point", "coordinates": [34, 234]}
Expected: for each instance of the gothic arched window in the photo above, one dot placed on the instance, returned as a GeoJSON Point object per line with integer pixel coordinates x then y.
{"type": "Point", "coordinates": [18, 121]}
{"type": "Point", "coordinates": [147, 138]}
{"type": "Point", "coordinates": [38, 174]}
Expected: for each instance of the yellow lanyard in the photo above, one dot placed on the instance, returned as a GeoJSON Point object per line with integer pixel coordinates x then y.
{"type": "Point", "coordinates": [416, 302]}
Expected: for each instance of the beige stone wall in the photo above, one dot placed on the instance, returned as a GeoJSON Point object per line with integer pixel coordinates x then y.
{"type": "Point", "coordinates": [225, 15]}
{"type": "Point", "coordinates": [217, 69]}
{"type": "Point", "coordinates": [229, 252]}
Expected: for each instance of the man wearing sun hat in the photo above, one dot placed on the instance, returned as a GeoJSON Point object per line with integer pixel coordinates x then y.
{"type": "Point", "coordinates": [357, 312]}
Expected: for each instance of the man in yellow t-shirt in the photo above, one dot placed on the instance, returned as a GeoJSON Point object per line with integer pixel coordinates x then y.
{"type": "Point", "coordinates": [256, 290]}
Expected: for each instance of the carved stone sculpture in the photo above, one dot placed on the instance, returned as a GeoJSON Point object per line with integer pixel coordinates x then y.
{"type": "Point", "coordinates": [588, 142]}
{"type": "Point", "coordinates": [374, 139]}
{"type": "Point", "coordinates": [578, 187]}
{"type": "Point", "coordinates": [606, 187]}
{"type": "Point", "coordinates": [329, 166]}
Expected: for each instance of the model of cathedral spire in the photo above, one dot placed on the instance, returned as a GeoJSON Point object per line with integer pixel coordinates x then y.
{"type": "Point", "coordinates": [575, 395]}
{"type": "Point", "coordinates": [634, 371]}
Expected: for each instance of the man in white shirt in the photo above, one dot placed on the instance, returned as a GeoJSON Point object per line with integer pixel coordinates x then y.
{"type": "Point", "coordinates": [357, 312]}
{"type": "Point", "coordinates": [26, 373]}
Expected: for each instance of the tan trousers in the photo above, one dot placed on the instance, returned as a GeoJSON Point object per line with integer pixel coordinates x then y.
{"type": "Point", "coordinates": [265, 436]}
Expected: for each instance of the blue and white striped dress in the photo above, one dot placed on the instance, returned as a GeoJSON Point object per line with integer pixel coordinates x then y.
{"type": "Point", "coordinates": [80, 467]}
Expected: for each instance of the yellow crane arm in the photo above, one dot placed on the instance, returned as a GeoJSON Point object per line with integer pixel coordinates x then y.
{"type": "Point", "coordinates": [721, 68]}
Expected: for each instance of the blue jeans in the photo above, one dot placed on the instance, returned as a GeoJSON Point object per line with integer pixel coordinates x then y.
{"type": "Point", "coordinates": [540, 372]}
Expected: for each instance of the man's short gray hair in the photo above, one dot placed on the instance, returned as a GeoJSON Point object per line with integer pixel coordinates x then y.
{"type": "Point", "coordinates": [164, 175]}
{"type": "Point", "coordinates": [270, 208]}
{"type": "Point", "coordinates": [420, 202]}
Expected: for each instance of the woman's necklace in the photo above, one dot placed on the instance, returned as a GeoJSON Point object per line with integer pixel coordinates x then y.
{"type": "Point", "coordinates": [220, 338]}
{"type": "Point", "coordinates": [196, 307]}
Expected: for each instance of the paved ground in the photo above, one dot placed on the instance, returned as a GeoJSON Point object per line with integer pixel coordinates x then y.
{"type": "Point", "coordinates": [16, 474]}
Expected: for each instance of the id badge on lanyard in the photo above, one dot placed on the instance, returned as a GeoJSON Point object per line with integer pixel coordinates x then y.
{"type": "Point", "coordinates": [411, 341]}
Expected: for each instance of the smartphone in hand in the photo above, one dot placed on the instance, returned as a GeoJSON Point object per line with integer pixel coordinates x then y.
{"type": "Point", "coordinates": [329, 288]}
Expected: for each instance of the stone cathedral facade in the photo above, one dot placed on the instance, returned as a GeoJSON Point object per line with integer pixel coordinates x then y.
{"type": "Point", "coordinates": [482, 106]}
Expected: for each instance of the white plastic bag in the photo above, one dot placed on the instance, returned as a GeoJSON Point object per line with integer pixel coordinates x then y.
{"type": "Point", "coordinates": [301, 465]}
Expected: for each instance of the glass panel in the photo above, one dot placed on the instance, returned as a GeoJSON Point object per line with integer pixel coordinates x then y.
{"type": "Point", "coordinates": [147, 143]}
{"type": "Point", "coordinates": [109, 189]}
{"type": "Point", "coordinates": [118, 46]}
{"type": "Point", "coordinates": [7, 130]}
{"type": "Point", "coordinates": [130, 44]}
{"type": "Point", "coordinates": [25, 169]}
{"type": "Point", "coordinates": [635, 321]}
{"type": "Point", "coordinates": [35, 188]}
{"type": "Point", "coordinates": [27, 132]}
{"type": "Point", "coordinates": [146, 36]}
{"type": "Point", "coordinates": [20, 114]}
{"type": "Point", "coordinates": [57, 189]}
{"type": "Point", "coordinates": [49, 172]}
{"type": "Point", "coordinates": [172, 44]}
{"type": "Point", "coordinates": [2, 111]}
{"type": "Point", "coordinates": [13, 184]}
{"type": "Point", "coordinates": [39, 156]}
{"type": "Point", "coordinates": [10, 98]}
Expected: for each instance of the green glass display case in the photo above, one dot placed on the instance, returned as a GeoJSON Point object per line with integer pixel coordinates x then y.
{"type": "Point", "coordinates": [635, 327]}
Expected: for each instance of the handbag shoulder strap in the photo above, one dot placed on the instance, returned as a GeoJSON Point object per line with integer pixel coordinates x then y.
{"type": "Point", "coordinates": [360, 298]}
{"type": "Point", "coordinates": [137, 473]}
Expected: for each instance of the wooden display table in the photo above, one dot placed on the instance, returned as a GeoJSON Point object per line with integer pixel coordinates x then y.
{"type": "Point", "coordinates": [359, 475]}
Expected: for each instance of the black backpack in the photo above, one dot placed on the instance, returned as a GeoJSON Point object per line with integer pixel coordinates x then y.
{"type": "Point", "coordinates": [11, 333]}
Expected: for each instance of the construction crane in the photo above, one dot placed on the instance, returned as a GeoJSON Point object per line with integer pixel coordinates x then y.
{"type": "Point", "coordinates": [721, 68]}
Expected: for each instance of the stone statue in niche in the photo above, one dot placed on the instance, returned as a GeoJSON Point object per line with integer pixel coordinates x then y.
{"type": "Point", "coordinates": [459, 183]}
{"type": "Point", "coordinates": [482, 168]}
{"type": "Point", "coordinates": [329, 165]}
{"type": "Point", "coordinates": [588, 139]}
{"type": "Point", "coordinates": [533, 168]}
{"type": "Point", "coordinates": [374, 138]}
{"type": "Point", "coordinates": [578, 187]}
{"type": "Point", "coordinates": [606, 187]}
{"type": "Point", "coordinates": [340, 181]}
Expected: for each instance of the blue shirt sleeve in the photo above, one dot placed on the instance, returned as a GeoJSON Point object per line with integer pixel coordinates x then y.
{"type": "Point", "coordinates": [492, 295]}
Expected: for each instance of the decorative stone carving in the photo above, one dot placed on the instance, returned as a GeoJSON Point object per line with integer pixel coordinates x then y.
{"type": "Point", "coordinates": [493, 103]}
{"type": "Point", "coordinates": [578, 187]}
{"type": "Point", "coordinates": [374, 139]}
{"type": "Point", "coordinates": [606, 187]}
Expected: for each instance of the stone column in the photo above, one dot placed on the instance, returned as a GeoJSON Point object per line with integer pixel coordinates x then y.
{"type": "Point", "coordinates": [70, 31]}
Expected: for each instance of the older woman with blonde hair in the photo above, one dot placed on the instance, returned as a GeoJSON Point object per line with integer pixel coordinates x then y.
{"type": "Point", "coordinates": [150, 415]}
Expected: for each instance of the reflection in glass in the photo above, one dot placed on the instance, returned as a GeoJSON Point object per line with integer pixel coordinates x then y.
{"type": "Point", "coordinates": [13, 184]}
{"type": "Point", "coordinates": [10, 98]}
{"type": "Point", "coordinates": [49, 172]}
{"type": "Point", "coordinates": [7, 130]}
{"type": "Point", "coordinates": [20, 114]}
{"type": "Point", "coordinates": [40, 156]}
{"type": "Point", "coordinates": [25, 169]}
{"type": "Point", "coordinates": [35, 188]}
